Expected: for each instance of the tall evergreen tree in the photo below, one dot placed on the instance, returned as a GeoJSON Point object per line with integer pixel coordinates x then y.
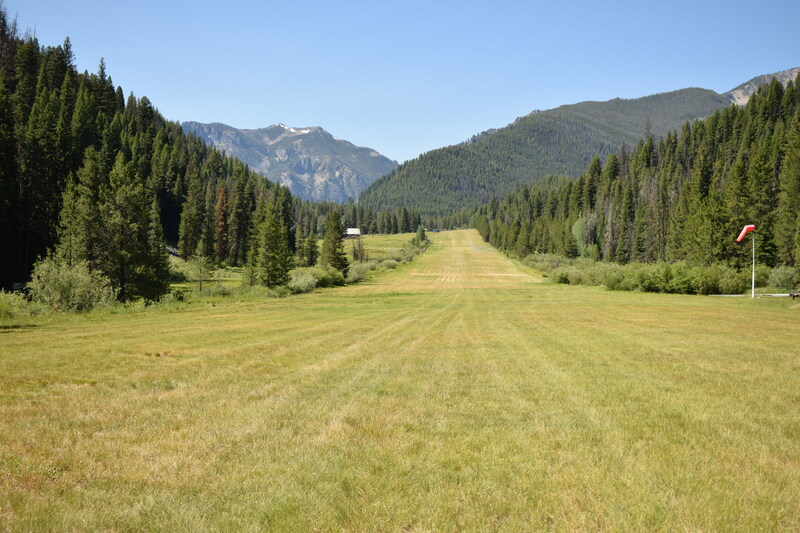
{"type": "Point", "coordinates": [125, 245]}
{"type": "Point", "coordinates": [273, 259]}
{"type": "Point", "coordinates": [332, 253]}
{"type": "Point", "coordinates": [311, 250]}
{"type": "Point", "coordinates": [221, 226]}
{"type": "Point", "coordinates": [9, 216]}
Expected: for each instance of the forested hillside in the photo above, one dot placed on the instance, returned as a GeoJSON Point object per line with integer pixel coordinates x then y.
{"type": "Point", "coordinates": [559, 141]}
{"type": "Point", "coordinates": [91, 178]}
{"type": "Point", "coordinates": [684, 196]}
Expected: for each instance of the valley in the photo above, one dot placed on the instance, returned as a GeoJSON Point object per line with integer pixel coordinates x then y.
{"type": "Point", "coordinates": [460, 391]}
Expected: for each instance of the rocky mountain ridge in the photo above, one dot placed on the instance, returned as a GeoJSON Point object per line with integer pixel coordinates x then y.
{"type": "Point", "coordinates": [311, 162]}
{"type": "Point", "coordinates": [741, 94]}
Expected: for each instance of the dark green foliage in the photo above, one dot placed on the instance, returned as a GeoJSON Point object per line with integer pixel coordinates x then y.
{"type": "Point", "coordinates": [272, 259]}
{"type": "Point", "coordinates": [109, 182]}
{"type": "Point", "coordinates": [332, 253]}
{"type": "Point", "coordinates": [126, 253]}
{"type": "Point", "coordinates": [307, 249]}
{"type": "Point", "coordinates": [683, 197]}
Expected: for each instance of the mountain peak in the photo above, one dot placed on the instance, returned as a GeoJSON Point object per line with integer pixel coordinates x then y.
{"type": "Point", "coordinates": [742, 93]}
{"type": "Point", "coordinates": [311, 162]}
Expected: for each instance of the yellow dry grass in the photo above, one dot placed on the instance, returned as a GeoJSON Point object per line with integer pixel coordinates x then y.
{"type": "Point", "coordinates": [456, 393]}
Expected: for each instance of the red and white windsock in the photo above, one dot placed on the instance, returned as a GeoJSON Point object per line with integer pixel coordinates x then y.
{"type": "Point", "coordinates": [745, 230]}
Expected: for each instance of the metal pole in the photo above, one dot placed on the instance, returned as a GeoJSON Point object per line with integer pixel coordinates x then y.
{"type": "Point", "coordinates": [753, 290]}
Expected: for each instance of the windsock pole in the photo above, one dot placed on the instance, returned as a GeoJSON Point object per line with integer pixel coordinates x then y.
{"type": "Point", "coordinates": [747, 229]}
{"type": "Point", "coordinates": [753, 285]}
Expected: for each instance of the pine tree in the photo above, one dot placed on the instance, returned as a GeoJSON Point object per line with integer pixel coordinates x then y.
{"type": "Point", "coordinates": [311, 252]}
{"type": "Point", "coordinates": [221, 226]}
{"type": "Point", "coordinates": [125, 240]}
{"type": "Point", "coordinates": [300, 242]}
{"type": "Point", "coordinates": [787, 230]}
{"type": "Point", "coordinates": [332, 253]}
{"type": "Point", "coordinates": [80, 215]}
{"type": "Point", "coordinates": [191, 226]}
{"type": "Point", "coordinates": [273, 257]}
{"type": "Point", "coordinates": [157, 257]}
{"type": "Point", "coordinates": [9, 215]}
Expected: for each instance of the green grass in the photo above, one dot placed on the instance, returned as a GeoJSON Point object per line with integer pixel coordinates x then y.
{"type": "Point", "coordinates": [458, 392]}
{"type": "Point", "coordinates": [379, 246]}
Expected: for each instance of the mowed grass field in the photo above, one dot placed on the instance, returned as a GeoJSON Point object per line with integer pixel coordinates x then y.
{"type": "Point", "coordinates": [458, 392]}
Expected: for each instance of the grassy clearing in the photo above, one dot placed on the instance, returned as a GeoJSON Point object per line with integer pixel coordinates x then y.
{"type": "Point", "coordinates": [457, 392]}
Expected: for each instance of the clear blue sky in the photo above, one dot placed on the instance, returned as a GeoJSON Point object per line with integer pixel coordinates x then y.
{"type": "Point", "coordinates": [405, 77]}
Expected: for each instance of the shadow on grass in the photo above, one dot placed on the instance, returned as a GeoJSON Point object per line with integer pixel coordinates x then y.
{"type": "Point", "coordinates": [9, 328]}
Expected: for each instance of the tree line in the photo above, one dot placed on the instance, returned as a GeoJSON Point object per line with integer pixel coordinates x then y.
{"type": "Point", "coordinates": [682, 197]}
{"type": "Point", "coordinates": [90, 177]}
{"type": "Point", "coordinates": [556, 141]}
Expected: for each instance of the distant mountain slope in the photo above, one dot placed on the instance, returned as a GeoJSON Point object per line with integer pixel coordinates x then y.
{"type": "Point", "coordinates": [741, 94]}
{"type": "Point", "coordinates": [314, 164]}
{"type": "Point", "coordinates": [557, 141]}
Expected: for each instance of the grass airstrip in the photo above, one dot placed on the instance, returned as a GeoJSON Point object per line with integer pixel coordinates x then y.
{"type": "Point", "coordinates": [458, 392]}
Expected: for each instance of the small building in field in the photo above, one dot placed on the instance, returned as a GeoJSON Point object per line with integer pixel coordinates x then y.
{"type": "Point", "coordinates": [352, 233]}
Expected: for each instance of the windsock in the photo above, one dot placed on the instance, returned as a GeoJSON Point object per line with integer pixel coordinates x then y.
{"type": "Point", "coordinates": [745, 230]}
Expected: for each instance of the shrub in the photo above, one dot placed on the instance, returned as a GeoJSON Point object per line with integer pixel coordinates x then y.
{"type": "Point", "coordinates": [654, 278]}
{"type": "Point", "coordinates": [330, 277]}
{"type": "Point", "coordinates": [783, 277]}
{"type": "Point", "coordinates": [680, 281]}
{"type": "Point", "coordinates": [545, 262]}
{"type": "Point", "coordinates": [560, 275]}
{"type": "Point", "coordinates": [177, 276]}
{"type": "Point", "coordinates": [281, 291]}
{"type": "Point", "coordinates": [608, 274]}
{"type": "Point", "coordinates": [13, 305]}
{"type": "Point", "coordinates": [302, 280]}
{"type": "Point", "coordinates": [389, 264]}
{"type": "Point", "coordinates": [734, 283]}
{"type": "Point", "coordinates": [762, 275]}
{"type": "Point", "coordinates": [708, 279]}
{"type": "Point", "coordinates": [358, 272]}
{"type": "Point", "coordinates": [218, 289]}
{"type": "Point", "coordinates": [172, 297]}
{"type": "Point", "coordinates": [64, 287]}
{"type": "Point", "coordinates": [306, 279]}
{"type": "Point", "coordinates": [574, 275]}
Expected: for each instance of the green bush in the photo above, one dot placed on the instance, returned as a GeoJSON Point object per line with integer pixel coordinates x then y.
{"type": "Point", "coordinates": [331, 277]}
{"type": "Point", "coordinates": [646, 277]}
{"type": "Point", "coordinates": [358, 272]}
{"type": "Point", "coordinates": [680, 281]}
{"type": "Point", "coordinates": [654, 277]}
{"type": "Point", "coordinates": [545, 262]}
{"type": "Point", "coordinates": [762, 275]}
{"type": "Point", "coordinates": [172, 297]}
{"type": "Point", "coordinates": [783, 277]}
{"type": "Point", "coordinates": [13, 305]}
{"type": "Point", "coordinates": [177, 276]}
{"type": "Point", "coordinates": [389, 264]}
{"type": "Point", "coordinates": [306, 279]}
{"type": "Point", "coordinates": [63, 287]}
{"type": "Point", "coordinates": [560, 275]}
{"type": "Point", "coordinates": [280, 292]}
{"type": "Point", "coordinates": [734, 283]}
{"type": "Point", "coordinates": [217, 289]}
{"type": "Point", "coordinates": [609, 274]}
{"type": "Point", "coordinates": [302, 280]}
